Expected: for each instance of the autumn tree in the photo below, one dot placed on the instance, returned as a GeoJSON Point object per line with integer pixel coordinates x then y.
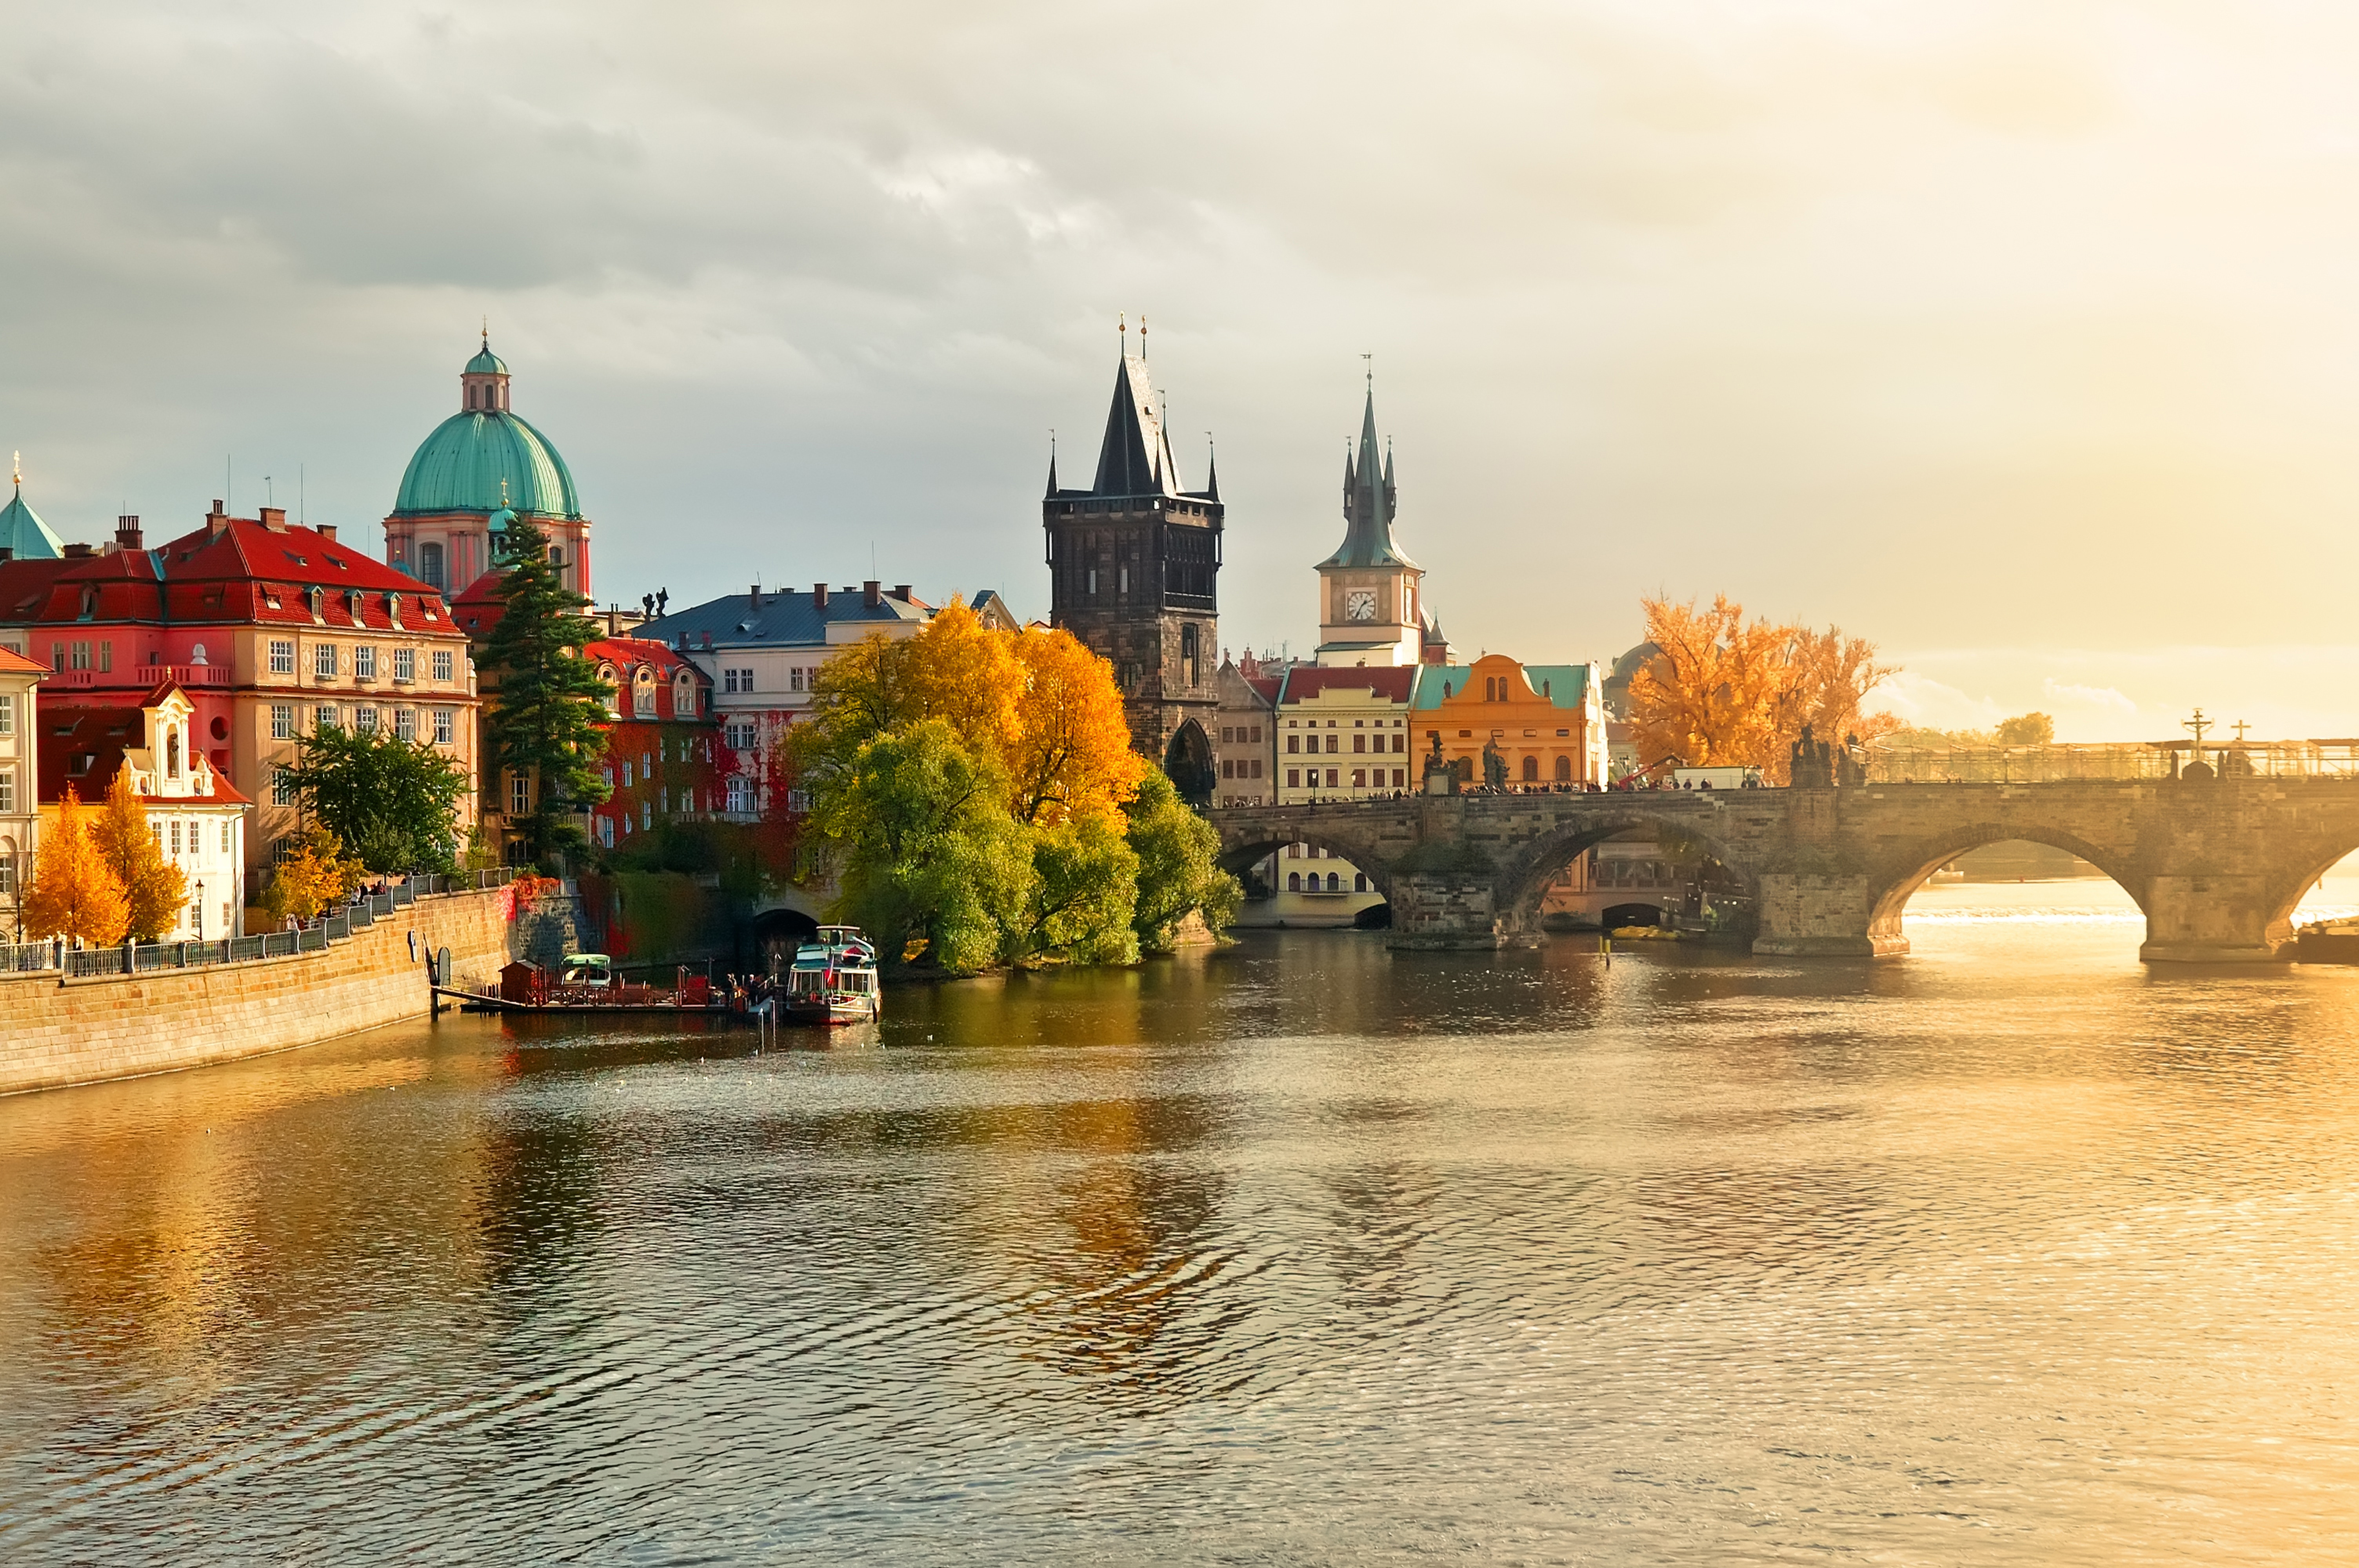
{"type": "Point", "coordinates": [1072, 756]}
{"type": "Point", "coordinates": [156, 890]}
{"type": "Point", "coordinates": [2028, 729]}
{"type": "Point", "coordinates": [318, 875]}
{"type": "Point", "coordinates": [1724, 691]}
{"type": "Point", "coordinates": [74, 893]}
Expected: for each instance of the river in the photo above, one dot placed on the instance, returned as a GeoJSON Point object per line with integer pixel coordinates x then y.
{"type": "Point", "coordinates": [2011, 1251]}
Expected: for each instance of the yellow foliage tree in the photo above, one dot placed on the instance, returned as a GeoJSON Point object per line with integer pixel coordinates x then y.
{"type": "Point", "coordinates": [317, 876]}
{"type": "Point", "coordinates": [74, 892]}
{"type": "Point", "coordinates": [157, 889]}
{"type": "Point", "coordinates": [1071, 757]}
{"type": "Point", "coordinates": [1724, 691]}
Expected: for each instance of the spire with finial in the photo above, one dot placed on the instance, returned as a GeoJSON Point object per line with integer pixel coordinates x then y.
{"type": "Point", "coordinates": [1052, 462]}
{"type": "Point", "coordinates": [1211, 468]}
{"type": "Point", "coordinates": [1368, 495]}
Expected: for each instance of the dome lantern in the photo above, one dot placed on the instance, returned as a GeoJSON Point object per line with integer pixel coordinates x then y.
{"type": "Point", "coordinates": [484, 382]}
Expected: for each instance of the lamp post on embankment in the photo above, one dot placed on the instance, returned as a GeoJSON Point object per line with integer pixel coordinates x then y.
{"type": "Point", "coordinates": [2216, 864]}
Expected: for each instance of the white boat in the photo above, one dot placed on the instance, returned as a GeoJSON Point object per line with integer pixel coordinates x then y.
{"type": "Point", "coordinates": [833, 979]}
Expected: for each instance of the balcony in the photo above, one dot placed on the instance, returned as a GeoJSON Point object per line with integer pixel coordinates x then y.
{"type": "Point", "coordinates": [141, 678]}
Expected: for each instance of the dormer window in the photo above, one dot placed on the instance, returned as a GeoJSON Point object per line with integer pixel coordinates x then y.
{"type": "Point", "coordinates": [393, 607]}
{"type": "Point", "coordinates": [353, 604]}
{"type": "Point", "coordinates": [317, 601]}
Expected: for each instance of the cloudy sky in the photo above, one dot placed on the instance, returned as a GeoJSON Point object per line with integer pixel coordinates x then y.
{"type": "Point", "coordinates": [2023, 339]}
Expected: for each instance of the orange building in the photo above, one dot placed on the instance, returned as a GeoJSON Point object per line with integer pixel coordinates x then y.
{"type": "Point", "coordinates": [1545, 722]}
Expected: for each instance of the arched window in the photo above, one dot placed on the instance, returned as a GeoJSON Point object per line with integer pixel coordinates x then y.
{"type": "Point", "coordinates": [614, 694]}
{"type": "Point", "coordinates": [643, 693]}
{"type": "Point", "coordinates": [1334, 882]}
{"type": "Point", "coordinates": [1360, 882]}
{"type": "Point", "coordinates": [1531, 770]}
{"type": "Point", "coordinates": [1294, 881]}
{"type": "Point", "coordinates": [430, 566]}
{"type": "Point", "coordinates": [1564, 769]}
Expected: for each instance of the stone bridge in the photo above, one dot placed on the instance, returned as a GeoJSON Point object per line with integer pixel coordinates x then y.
{"type": "Point", "coordinates": [2216, 865]}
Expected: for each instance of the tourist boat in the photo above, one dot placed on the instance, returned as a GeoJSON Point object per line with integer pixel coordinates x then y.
{"type": "Point", "coordinates": [2326, 942]}
{"type": "Point", "coordinates": [833, 979]}
{"type": "Point", "coordinates": [595, 971]}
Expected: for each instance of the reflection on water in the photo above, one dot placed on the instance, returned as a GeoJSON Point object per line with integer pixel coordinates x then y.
{"type": "Point", "coordinates": [2012, 1251]}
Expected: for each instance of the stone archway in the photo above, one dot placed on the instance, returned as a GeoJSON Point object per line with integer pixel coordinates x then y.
{"type": "Point", "coordinates": [1890, 892]}
{"type": "Point", "coordinates": [1524, 883]}
{"type": "Point", "coordinates": [1188, 763]}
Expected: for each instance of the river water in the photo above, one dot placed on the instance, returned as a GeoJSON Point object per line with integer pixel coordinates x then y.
{"type": "Point", "coordinates": [2010, 1252]}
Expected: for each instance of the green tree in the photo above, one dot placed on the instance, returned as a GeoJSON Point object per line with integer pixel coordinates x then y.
{"type": "Point", "coordinates": [394, 803]}
{"type": "Point", "coordinates": [1086, 893]}
{"type": "Point", "coordinates": [928, 849]}
{"type": "Point", "coordinates": [1178, 866]}
{"type": "Point", "coordinates": [550, 714]}
{"type": "Point", "coordinates": [2028, 729]}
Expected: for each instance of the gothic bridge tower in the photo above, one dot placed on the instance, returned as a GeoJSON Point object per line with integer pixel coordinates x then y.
{"type": "Point", "coordinates": [1133, 566]}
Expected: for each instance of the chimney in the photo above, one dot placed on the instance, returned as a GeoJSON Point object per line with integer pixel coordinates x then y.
{"type": "Point", "coordinates": [755, 594]}
{"type": "Point", "coordinates": [819, 596]}
{"type": "Point", "coordinates": [79, 552]}
{"type": "Point", "coordinates": [275, 519]}
{"type": "Point", "coordinates": [327, 532]}
{"type": "Point", "coordinates": [872, 594]}
{"type": "Point", "coordinates": [217, 520]}
{"type": "Point", "coordinates": [127, 533]}
{"type": "Point", "coordinates": [901, 591]}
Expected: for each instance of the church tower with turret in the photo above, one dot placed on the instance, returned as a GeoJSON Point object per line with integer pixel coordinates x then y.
{"type": "Point", "coordinates": [1369, 591]}
{"type": "Point", "coordinates": [1133, 568]}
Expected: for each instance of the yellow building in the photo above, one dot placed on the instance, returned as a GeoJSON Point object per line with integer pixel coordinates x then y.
{"type": "Point", "coordinates": [1546, 723]}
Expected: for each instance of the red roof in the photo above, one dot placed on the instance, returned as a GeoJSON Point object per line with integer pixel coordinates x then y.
{"type": "Point", "coordinates": [15, 663]}
{"type": "Point", "coordinates": [628, 655]}
{"type": "Point", "coordinates": [97, 738]}
{"type": "Point", "coordinates": [1385, 682]}
{"type": "Point", "coordinates": [240, 573]}
{"type": "Point", "coordinates": [479, 609]}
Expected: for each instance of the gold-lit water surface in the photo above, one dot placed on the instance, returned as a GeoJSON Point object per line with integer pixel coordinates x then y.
{"type": "Point", "coordinates": [2011, 1251]}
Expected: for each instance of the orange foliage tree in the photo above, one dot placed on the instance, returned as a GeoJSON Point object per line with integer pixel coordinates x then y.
{"type": "Point", "coordinates": [1724, 691]}
{"type": "Point", "coordinates": [74, 893]}
{"type": "Point", "coordinates": [157, 889]}
{"type": "Point", "coordinates": [1070, 756]}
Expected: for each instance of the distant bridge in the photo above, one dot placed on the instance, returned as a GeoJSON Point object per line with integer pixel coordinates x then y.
{"type": "Point", "coordinates": [2217, 865]}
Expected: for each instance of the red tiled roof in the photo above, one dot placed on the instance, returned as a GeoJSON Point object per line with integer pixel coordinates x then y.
{"type": "Point", "coordinates": [244, 573]}
{"type": "Point", "coordinates": [1388, 683]}
{"type": "Point", "coordinates": [102, 734]}
{"type": "Point", "coordinates": [15, 663]}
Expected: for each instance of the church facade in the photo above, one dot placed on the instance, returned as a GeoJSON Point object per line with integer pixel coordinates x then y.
{"type": "Point", "coordinates": [1133, 568]}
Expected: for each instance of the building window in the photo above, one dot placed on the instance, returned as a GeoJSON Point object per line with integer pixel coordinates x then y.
{"type": "Point", "coordinates": [1331, 741]}
{"type": "Point", "coordinates": [1228, 767]}
{"type": "Point", "coordinates": [1294, 742]}
{"type": "Point", "coordinates": [442, 727]}
{"type": "Point", "coordinates": [226, 831]}
{"type": "Point", "coordinates": [176, 838]}
{"type": "Point", "coordinates": [282, 722]}
{"type": "Point", "coordinates": [1360, 881]}
{"type": "Point", "coordinates": [1188, 654]}
{"type": "Point", "coordinates": [1294, 881]}
{"type": "Point", "coordinates": [430, 566]}
{"type": "Point", "coordinates": [442, 666]}
{"type": "Point", "coordinates": [647, 814]}
{"type": "Point", "coordinates": [643, 693]}
{"type": "Point", "coordinates": [365, 721]}
{"type": "Point", "coordinates": [736, 795]}
{"type": "Point", "coordinates": [7, 713]}
{"type": "Point", "coordinates": [606, 831]}
{"type": "Point", "coordinates": [1330, 773]}
{"type": "Point", "coordinates": [519, 795]}
{"type": "Point", "coordinates": [323, 660]}
{"type": "Point", "coordinates": [1294, 778]}
{"type": "Point", "coordinates": [81, 655]}
{"type": "Point", "coordinates": [1359, 778]}
{"type": "Point", "coordinates": [405, 664]}
{"type": "Point", "coordinates": [365, 663]}
{"type": "Point", "coordinates": [282, 657]}
{"type": "Point", "coordinates": [7, 869]}
{"type": "Point", "coordinates": [324, 718]}
{"type": "Point", "coordinates": [741, 737]}
{"type": "Point", "coordinates": [1256, 767]}
{"type": "Point", "coordinates": [1563, 770]}
{"type": "Point", "coordinates": [405, 723]}
{"type": "Point", "coordinates": [626, 775]}
{"type": "Point", "coordinates": [105, 655]}
{"type": "Point", "coordinates": [1359, 742]}
{"type": "Point", "coordinates": [7, 789]}
{"type": "Point", "coordinates": [282, 786]}
{"type": "Point", "coordinates": [795, 679]}
{"type": "Point", "coordinates": [1531, 770]}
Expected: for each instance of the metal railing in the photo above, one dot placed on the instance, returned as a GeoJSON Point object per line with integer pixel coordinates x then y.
{"type": "Point", "coordinates": [142, 957]}
{"type": "Point", "coordinates": [2064, 764]}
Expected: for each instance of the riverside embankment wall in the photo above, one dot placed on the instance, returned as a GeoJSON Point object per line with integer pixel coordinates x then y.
{"type": "Point", "coordinates": [53, 1033]}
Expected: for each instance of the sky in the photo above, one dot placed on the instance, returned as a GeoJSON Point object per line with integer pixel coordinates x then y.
{"type": "Point", "coordinates": [2019, 338]}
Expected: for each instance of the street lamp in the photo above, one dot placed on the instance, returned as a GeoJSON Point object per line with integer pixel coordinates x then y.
{"type": "Point", "coordinates": [201, 909]}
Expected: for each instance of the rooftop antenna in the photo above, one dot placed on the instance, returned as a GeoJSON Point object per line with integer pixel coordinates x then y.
{"type": "Point", "coordinates": [269, 496]}
{"type": "Point", "coordinates": [302, 512]}
{"type": "Point", "coordinates": [1141, 335]}
{"type": "Point", "coordinates": [1370, 360]}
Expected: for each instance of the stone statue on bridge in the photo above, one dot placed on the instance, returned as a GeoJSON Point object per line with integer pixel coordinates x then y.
{"type": "Point", "coordinates": [1494, 764]}
{"type": "Point", "coordinates": [1440, 774]}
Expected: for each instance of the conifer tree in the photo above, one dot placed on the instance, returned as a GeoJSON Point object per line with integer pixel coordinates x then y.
{"type": "Point", "coordinates": [74, 892]}
{"type": "Point", "coordinates": [549, 715]}
{"type": "Point", "coordinates": [157, 889]}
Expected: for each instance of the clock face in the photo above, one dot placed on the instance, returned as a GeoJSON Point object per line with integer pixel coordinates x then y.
{"type": "Point", "coordinates": [1360, 605]}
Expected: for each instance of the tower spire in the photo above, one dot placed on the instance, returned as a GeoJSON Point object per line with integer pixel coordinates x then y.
{"type": "Point", "coordinates": [1052, 462]}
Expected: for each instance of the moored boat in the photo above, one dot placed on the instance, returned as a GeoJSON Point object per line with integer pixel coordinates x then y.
{"type": "Point", "coordinates": [833, 979]}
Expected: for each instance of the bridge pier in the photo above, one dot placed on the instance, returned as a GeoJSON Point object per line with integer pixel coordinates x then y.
{"type": "Point", "coordinates": [1803, 916]}
{"type": "Point", "coordinates": [2204, 919]}
{"type": "Point", "coordinates": [1444, 911]}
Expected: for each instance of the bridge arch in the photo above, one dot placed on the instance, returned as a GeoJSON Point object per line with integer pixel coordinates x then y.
{"type": "Point", "coordinates": [1526, 880]}
{"type": "Point", "coordinates": [1239, 852]}
{"type": "Point", "coordinates": [1888, 894]}
{"type": "Point", "coordinates": [2284, 897]}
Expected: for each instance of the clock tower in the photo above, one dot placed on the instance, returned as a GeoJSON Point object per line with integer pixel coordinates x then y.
{"type": "Point", "coordinates": [1370, 594]}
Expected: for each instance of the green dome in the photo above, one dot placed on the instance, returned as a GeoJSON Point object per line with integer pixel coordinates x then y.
{"type": "Point", "coordinates": [461, 465]}
{"type": "Point", "coordinates": [485, 362]}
